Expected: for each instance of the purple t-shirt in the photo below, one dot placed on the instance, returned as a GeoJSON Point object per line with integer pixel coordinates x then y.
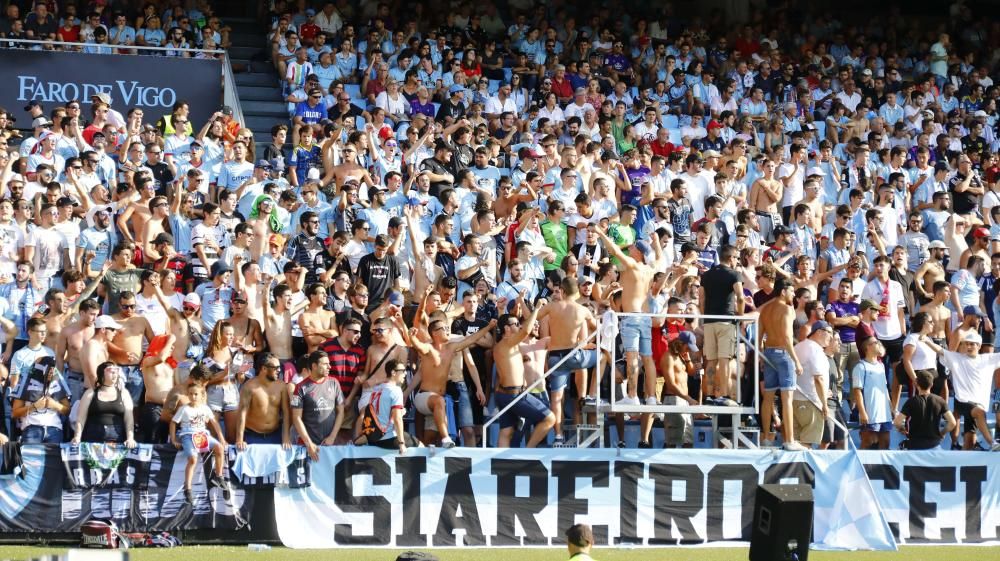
{"type": "Point", "coordinates": [842, 309]}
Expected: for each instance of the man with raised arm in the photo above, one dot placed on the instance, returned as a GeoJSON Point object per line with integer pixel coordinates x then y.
{"type": "Point", "coordinates": [781, 366]}
{"type": "Point", "coordinates": [435, 360]}
{"type": "Point", "coordinates": [637, 270]}
{"type": "Point", "coordinates": [570, 323]}
{"type": "Point", "coordinates": [510, 382]}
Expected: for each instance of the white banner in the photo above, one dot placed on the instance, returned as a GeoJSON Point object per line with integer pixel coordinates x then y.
{"type": "Point", "coordinates": [497, 498]}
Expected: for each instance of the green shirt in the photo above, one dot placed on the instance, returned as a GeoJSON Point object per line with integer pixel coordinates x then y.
{"type": "Point", "coordinates": [556, 236]}
{"type": "Point", "coordinates": [623, 236]}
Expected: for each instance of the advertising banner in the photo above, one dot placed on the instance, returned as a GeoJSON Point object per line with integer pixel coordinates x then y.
{"type": "Point", "coordinates": [149, 82]}
{"type": "Point", "coordinates": [496, 498]}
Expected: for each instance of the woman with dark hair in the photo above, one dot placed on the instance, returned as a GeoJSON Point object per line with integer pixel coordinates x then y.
{"type": "Point", "coordinates": [919, 354]}
{"type": "Point", "coordinates": [103, 415]}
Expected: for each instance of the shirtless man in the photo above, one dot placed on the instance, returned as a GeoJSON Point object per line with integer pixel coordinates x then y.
{"type": "Point", "coordinates": [129, 339]}
{"type": "Point", "coordinates": [676, 364]}
{"type": "Point", "coordinates": [264, 414]}
{"type": "Point", "coordinates": [508, 198]}
{"type": "Point", "coordinates": [247, 280]}
{"type": "Point", "coordinates": [385, 349]}
{"type": "Point", "coordinates": [507, 356]}
{"type": "Point", "coordinates": [765, 194]}
{"type": "Point", "coordinates": [278, 329]}
{"type": "Point", "coordinates": [781, 367]}
{"type": "Point", "coordinates": [941, 334]}
{"type": "Point", "coordinates": [435, 362]}
{"type": "Point", "coordinates": [159, 212]}
{"type": "Point", "coordinates": [637, 270]}
{"type": "Point", "coordinates": [262, 227]}
{"type": "Point", "coordinates": [248, 332]}
{"type": "Point", "coordinates": [70, 344]}
{"type": "Point", "coordinates": [132, 222]}
{"type": "Point", "coordinates": [346, 171]}
{"type": "Point", "coordinates": [61, 309]}
{"type": "Point", "coordinates": [186, 328]}
{"type": "Point", "coordinates": [317, 323]}
{"type": "Point", "coordinates": [932, 271]}
{"type": "Point", "coordinates": [157, 369]}
{"type": "Point", "coordinates": [569, 323]}
{"type": "Point", "coordinates": [96, 349]}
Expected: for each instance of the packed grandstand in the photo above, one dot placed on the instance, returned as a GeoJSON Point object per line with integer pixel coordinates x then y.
{"type": "Point", "coordinates": [458, 199]}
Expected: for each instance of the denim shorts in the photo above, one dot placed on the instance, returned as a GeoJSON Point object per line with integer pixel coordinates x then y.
{"type": "Point", "coordinates": [223, 397]}
{"type": "Point", "coordinates": [779, 370]}
{"type": "Point", "coordinates": [189, 449]}
{"type": "Point", "coordinates": [463, 407]}
{"type": "Point", "coordinates": [578, 359]}
{"type": "Point", "coordinates": [530, 408]}
{"type": "Point", "coordinates": [38, 434]}
{"type": "Point", "coordinates": [134, 383]}
{"type": "Point", "coordinates": [877, 427]}
{"type": "Point", "coordinates": [637, 334]}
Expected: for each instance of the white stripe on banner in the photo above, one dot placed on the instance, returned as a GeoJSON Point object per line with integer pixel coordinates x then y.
{"type": "Point", "coordinates": [496, 498]}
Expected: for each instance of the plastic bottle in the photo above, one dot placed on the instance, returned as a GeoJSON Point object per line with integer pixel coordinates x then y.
{"type": "Point", "coordinates": [258, 547]}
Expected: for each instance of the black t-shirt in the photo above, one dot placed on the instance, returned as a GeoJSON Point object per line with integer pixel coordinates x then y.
{"type": "Point", "coordinates": [450, 109]}
{"type": "Point", "coordinates": [433, 166]}
{"type": "Point", "coordinates": [720, 300]}
{"type": "Point", "coordinates": [378, 275]}
{"type": "Point", "coordinates": [461, 158]}
{"type": "Point", "coordinates": [163, 176]}
{"type": "Point", "coordinates": [464, 327]}
{"type": "Point", "coordinates": [924, 412]}
{"type": "Point", "coordinates": [335, 113]}
{"type": "Point", "coordinates": [964, 202]}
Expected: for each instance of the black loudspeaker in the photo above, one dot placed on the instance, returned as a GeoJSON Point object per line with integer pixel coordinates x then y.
{"type": "Point", "coordinates": [782, 523]}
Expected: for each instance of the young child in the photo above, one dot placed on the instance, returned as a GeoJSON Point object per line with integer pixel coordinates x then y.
{"type": "Point", "coordinates": [194, 418]}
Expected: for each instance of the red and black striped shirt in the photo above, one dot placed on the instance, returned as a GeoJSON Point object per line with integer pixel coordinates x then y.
{"type": "Point", "coordinates": [345, 364]}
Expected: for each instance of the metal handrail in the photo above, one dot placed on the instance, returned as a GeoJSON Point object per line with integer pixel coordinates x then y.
{"type": "Point", "coordinates": [230, 96]}
{"type": "Point", "coordinates": [535, 384]}
{"type": "Point", "coordinates": [6, 44]}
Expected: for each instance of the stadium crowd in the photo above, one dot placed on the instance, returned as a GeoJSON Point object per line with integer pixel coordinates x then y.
{"type": "Point", "coordinates": [463, 195]}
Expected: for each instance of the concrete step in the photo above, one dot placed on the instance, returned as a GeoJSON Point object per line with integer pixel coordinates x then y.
{"type": "Point", "coordinates": [256, 38]}
{"type": "Point", "coordinates": [265, 108]}
{"type": "Point", "coordinates": [262, 124]}
{"type": "Point", "coordinates": [259, 93]}
{"type": "Point", "coordinates": [257, 79]}
{"type": "Point", "coordinates": [243, 53]}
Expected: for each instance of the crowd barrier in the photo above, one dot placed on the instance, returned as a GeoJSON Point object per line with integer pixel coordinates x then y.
{"type": "Point", "coordinates": [496, 498]}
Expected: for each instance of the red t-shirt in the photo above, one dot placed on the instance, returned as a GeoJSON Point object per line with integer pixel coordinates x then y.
{"type": "Point", "coordinates": [663, 150]}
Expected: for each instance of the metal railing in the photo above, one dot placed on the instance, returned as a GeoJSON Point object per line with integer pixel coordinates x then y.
{"type": "Point", "coordinates": [524, 393]}
{"type": "Point", "coordinates": [7, 44]}
{"type": "Point", "coordinates": [230, 96]}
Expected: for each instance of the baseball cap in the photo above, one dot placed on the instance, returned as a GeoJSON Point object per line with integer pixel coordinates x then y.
{"type": "Point", "coordinates": [193, 299]}
{"type": "Point", "coordinates": [819, 326]}
{"type": "Point", "coordinates": [867, 72]}
{"type": "Point", "coordinates": [278, 164]}
{"type": "Point", "coordinates": [226, 110]}
{"type": "Point", "coordinates": [588, 279]}
{"type": "Point", "coordinates": [41, 122]}
{"type": "Point", "coordinates": [219, 267]}
{"type": "Point", "coordinates": [973, 311]}
{"type": "Point", "coordinates": [980, 113]}
{"type": "Point", "coordinates": [645, 248]}
{"type": "Point", "coordinates": [781, 229]}
{"type": "Point", "coordinates": [688, 339]}
{"type": "Point", "coordinates": [263, 164]}
{"type": "Point", "coordinates": [395, 298]}
{"type": "Point", "coordinates": [105, 98]}
{"type": "Point", "coordinates": [869, 305]}
{"type": "Point", "coordinates": [981, 232]}
{"type": "Point", "coordinates": [455, 88]}
{"type": "Point", "coordinates": [972, 337]}
{"type": "Point", "coordinates": [31, 104]}
{"type": "Point", "coordinates": [107, 322]}
{"type": "Point", "coordinates": [937, 244]}
{"type": "Point", "coordinates": [196, 143]}
{"type": "Point", "coordinates": [816, 170]}
{"type": "Point", "coordinates": [66, 201]}
{"type": "Point", "coordinates": [714, 125]}
{"type": "Point", "coordinates": [276, 239]}
{"type": "Point", "coordinates": [711, 154]}
{"type": "Point", "coordinates": [163, 237]}
{"type": "Point", "coordinates": [310, 12]}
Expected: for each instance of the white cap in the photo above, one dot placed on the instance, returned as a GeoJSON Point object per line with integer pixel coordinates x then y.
{"type": "Point", "coordinates": [193, 299]}
{"type": "Point", "coordinates": [972, 337]}
{"type": "Point", "coordinates": [107, 322]}
{"type": "Point", "coordinates": [937, 244]}
{"type": "Point", "coordinates": [816, 170]}
{"type": "Point", "coordinates": [980, 113]}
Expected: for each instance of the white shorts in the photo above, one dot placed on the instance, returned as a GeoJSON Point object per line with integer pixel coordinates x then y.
{"type": "Point", "coordinates": [422, 402]}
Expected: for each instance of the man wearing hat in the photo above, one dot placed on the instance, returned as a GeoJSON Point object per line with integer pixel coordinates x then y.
{"type": "Point", "coordinates": [40, 125]}
{"type": "Point", "coordinates": [810, 398]}
{"type": "Point", "coordinates": [452, 108]}
{"type": "Point", "coordinates": [216, 295]}
{"type": "Point", "coordinates": [437, 168]}
{"type": "Point", "coordinates": [980, 247]}
{"type": "Point", "coordinates": [114, 117]}
{"type": "Point", "coordinates": [780, 253]}
{"type": "Point", "coordinates": [972, 378]}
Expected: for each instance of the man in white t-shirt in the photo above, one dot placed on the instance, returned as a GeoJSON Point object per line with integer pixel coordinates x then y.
{"type": "Point", "coordinates": [972, 377]}
{"type": "Point", "coordinates": [792, 174]}
{"type": "Point", "coordinates": [890, 327]}
{"type": "Point", "coordinates": [810, 395]}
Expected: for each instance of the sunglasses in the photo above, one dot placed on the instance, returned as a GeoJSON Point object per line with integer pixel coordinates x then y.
{"type": "Point", "coordinates": [127, 306]}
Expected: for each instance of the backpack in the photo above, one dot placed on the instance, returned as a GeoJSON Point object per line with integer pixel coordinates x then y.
{"type": "Point", "coordinates": [102, 534]}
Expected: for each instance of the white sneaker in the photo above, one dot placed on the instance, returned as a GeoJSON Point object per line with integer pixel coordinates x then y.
{"type": "Point", "coordinates": [794, 446]}
{"type": "Point", "coordinates": [995, 447]}
{"type": "Point", "coordinates": [651, 401]}
{"type": "Point", "coordinates": [767, 444]}
{"type": "Point", "coordinates": [628, 401]}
